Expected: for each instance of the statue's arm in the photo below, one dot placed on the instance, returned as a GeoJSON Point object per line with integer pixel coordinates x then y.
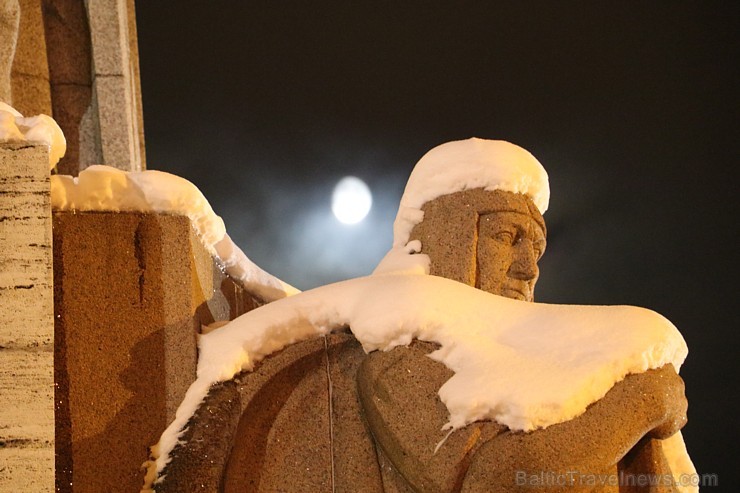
{"type": "Point", "coordinates": [646, 405]}
{"type": "Point", "coordinates": [398, 393]}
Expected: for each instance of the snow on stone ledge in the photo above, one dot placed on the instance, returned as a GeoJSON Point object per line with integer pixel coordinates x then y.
{"type": "Point", "coordinates": [549, 362]}
{"type": "Point", "coordinates": [39, 129]}
{"type": "Point", "coordinates": [103, 188]}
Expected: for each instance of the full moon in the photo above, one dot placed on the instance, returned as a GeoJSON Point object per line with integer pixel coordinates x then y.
{"type": "Point", "coordinates": [351, 200]}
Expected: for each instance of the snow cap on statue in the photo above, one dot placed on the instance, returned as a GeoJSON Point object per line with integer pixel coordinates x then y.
{"type": "Point", "coordinates": [464, 165]}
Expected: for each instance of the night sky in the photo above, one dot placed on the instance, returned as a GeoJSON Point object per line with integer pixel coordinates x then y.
{"type": "Point", "coordinates": [632, 107]}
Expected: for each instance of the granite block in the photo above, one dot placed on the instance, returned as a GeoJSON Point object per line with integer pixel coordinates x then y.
{"type": "Point", "coordinates": [131, 293]}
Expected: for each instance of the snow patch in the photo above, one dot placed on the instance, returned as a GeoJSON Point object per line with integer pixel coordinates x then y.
{"type": "Point", "coordinates": [549, 362]}
{"type": "Point", "coordinates": [39, 129]}
{"type": "Point", "coordinates": [680, 463]}
{"type": "Point", "coordinates": [467, 164]}
{"type": "Point", "coordinates": [406, 259]}
{"type": "Point", "coordinates": [103, 188]}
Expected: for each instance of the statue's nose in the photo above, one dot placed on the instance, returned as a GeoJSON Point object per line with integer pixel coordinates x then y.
{"type": "Point", "coordinates": [524, 266]}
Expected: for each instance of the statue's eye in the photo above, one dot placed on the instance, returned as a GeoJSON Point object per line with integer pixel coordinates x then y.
{"type": "Point", "coordinates": [505, 237]}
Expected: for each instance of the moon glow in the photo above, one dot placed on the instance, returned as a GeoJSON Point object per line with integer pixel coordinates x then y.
{"type": "Point", "coordinates": [351, 200]}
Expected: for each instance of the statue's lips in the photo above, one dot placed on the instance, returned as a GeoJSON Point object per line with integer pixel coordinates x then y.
{"type": "Point", "coordinates": [520, 294]}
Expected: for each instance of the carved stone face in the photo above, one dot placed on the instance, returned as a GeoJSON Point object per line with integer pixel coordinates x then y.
{"type": "Point", "coordinates": [509, 246]}
{"type": "Point", "coordinates": [488, 239]}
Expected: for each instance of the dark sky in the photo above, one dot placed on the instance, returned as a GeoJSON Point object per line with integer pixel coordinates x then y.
{"type": "Point", "coordinates": [632, 107]}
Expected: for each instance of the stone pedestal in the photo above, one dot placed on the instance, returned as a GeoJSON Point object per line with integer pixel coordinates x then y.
{"type": "Point", "coordinates": [27, 328]}
{"type": "Point", "coordinates": [131, 292]}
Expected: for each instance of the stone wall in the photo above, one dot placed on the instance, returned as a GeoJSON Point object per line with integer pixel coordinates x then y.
{"type": "Point", "coordinates": [131, 292]}
{"type": "Point", "coordinates": [27, 328]}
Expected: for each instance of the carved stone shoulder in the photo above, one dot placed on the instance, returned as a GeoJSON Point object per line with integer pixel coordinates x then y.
{"type": "Point", "coordinates": [398, 392]}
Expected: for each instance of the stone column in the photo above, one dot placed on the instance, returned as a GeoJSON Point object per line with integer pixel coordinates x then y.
{"type": "Point", "coordinates": [70, 77]}
{"type": "Point", "coordinates": [116, 83]}
{"type": "Point", "coordinates": [30, 74]}
{"type": "Point", "coordinates": [27, 328]}
{"type": "Point", "coordinates": [9, 20]}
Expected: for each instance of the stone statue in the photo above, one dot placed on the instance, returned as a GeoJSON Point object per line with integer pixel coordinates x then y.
{"type": "Point", "coordinates": [381, 427]}
{"type": "Point", "coordinates": [493, 239]}
{"type": "Point", "coordinates": [398, 388]}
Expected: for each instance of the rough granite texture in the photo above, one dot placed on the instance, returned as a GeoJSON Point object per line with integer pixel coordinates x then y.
{"type": "Point", "coordinates": [115, 68]}
{"type": "Point", "coordinates": [133, 57]}
{"type": "Point", "coordinates": [27, 328]}
{"type": "Point", "coordinates": [295, 396]}
{"type": "Point", "coordinates": [399, 397]}
{"type": "Point", "coordinates": [449, 231]}
{"type": "Point", "coordinates": [70, 78]}
{"type": "Point", "coordinates": [645, 458]}
{"type": "Point", "coordinates": [281, 434]}
{"type": "Point", "coordinates": [30, 73]}
{"type": "Point", "coordinates": [283, 441]}
{"type": "Point", "coordinates": [486, 456]}
{"type": "Point", "coordinates": [131, 292]}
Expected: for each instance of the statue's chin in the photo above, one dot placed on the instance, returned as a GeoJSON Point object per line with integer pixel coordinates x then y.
{"type": "Point", "coordinates": [515, 294]}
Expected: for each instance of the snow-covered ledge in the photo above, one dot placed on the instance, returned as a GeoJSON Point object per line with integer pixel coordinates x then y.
{"type": "Point", "coordinates": [103, 188]}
